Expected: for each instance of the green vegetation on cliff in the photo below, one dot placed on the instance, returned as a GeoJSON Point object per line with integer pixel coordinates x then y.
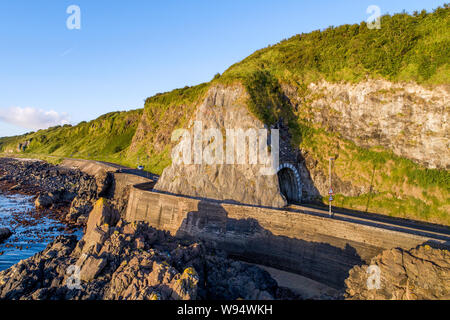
{"type": "Point", "coordinates": [163, 113]}
{"type": "Point", "coordinates": [396, 186]}
{"type": "Point", "coordinates": [406, 48]}
{"type": "Point", "coordinates": [105, 138]}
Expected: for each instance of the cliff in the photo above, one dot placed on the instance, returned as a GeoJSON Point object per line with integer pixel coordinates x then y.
{"type": "Point", "coordinates": [407, 118]}
{"type": "Point", "coordinates": [106, 138]}
{"type": "Point", "coordinates": [223, 108]}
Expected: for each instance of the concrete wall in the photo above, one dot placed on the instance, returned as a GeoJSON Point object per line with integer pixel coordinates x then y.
{"type": "Point", "coordinates": [120, 188]}
{"type": "Point", "coordinates": [317, 247]}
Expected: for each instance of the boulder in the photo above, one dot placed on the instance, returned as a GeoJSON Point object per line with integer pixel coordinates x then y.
{"type": "Point", "coordinates": [102, 214]}
{"type": "Point", "coordinates": [45, 200]}
{"type": "Point", "coordinates": [95, 238]}
{"type": "Point", "coordinates": [80, 206]}
{"type": "Point", "coordinates": [422, 273]}
{"type": "Point", "coordinates": [91, 268]}
{"type": "Point", "coordinates": [184, 287]}
{"type": "Point", "coordinates": [98, 225]}
{"type": "Point", "coordinates": [5, 233]}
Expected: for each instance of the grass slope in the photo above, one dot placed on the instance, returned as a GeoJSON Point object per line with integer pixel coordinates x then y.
{"type": "Point", "coordinates": [105, 138]}
{"type": "Point", "coordinates": [406, 48]}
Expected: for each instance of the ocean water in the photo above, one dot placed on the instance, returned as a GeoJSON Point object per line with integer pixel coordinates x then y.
{"type": "Point", "coordinates": [31, 232]}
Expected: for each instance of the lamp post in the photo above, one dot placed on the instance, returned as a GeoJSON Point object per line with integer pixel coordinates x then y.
{"type": "Point", "coordinates": [330, 199]}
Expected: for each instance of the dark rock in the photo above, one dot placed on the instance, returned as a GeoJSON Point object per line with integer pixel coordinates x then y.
{"type": "Point", "coordinates": [43, 201]}
{"type": "Point", "coordinates": [91, 267]}
{"type": "Point", "coordinates": [5, 233]}
{"type": "Point", "coordinates": [102, 214]}
{"type": "Point", "coordinates": [117, 267]}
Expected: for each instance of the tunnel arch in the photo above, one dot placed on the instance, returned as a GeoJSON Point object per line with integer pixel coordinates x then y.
{"type": "Point", "coordinates": [290, 183]}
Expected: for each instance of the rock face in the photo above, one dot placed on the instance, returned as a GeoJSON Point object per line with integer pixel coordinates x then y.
{"type": "Point", "coordinates": [422, 273]}
{"type": "Point", "coordinates": [406, 118]}
{"type": "Point", "coordinates": [100, 215]}
{"type": "Point", "coordinates": [223, 108]}
{"type": "Point", "coordinates": [132, 262]}
{"type": "Point", "coordinates": [5, 233]}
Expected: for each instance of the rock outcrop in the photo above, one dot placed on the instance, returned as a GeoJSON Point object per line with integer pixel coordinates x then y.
{"type": "Point", "coordinates": [407, 118]}
{"type": "Point", "coordinates": [223, 108]}
{"type": "Point", "coordinates": [132, 262]}
{"type": "Point", "coordinates": [422, 273]}
{"type": "Point", "coordinates": [5, 233]}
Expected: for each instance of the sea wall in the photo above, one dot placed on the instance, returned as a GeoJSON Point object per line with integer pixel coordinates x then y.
{"type": "Point", "coordinates": [314, 246]}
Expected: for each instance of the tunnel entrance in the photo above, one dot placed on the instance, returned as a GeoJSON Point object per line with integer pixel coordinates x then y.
{"type": "Point", "coordinates": [289, 182]}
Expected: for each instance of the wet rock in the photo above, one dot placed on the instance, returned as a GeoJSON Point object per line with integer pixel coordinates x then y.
{"type": "Point", "coordinates": [116, 268]}
{"type": "Point", "coordinates": [5, 233]}
{"type": "Point", "coordinates": [45, 200]}
{"type": "Point", "coordinates": [34, 277]}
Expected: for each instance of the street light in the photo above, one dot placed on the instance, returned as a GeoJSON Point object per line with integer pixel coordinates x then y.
{"type": "Point", "coordinates": [330, 192]}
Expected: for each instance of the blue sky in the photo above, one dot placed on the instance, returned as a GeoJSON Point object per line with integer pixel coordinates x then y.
{"type": "Point", "coordinates": [129, 50]}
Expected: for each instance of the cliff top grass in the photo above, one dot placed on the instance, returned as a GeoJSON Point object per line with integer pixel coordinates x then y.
{"type": "Point", "coordinates": [407, 48]}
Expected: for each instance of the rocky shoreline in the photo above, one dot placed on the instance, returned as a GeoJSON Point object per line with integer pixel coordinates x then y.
{"type": "Point", "coordinates": [62, 194]}
{"type": "Point", "coordinates": [115, 260]}
{"type": "Point", "coordinates": [132, 262]}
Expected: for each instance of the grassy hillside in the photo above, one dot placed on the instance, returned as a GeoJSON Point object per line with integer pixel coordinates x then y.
{"type": "Point", "coordinates": [406, 48]}
{"type": "Point", "coordinates": [163, 113]}
{"type": "Point", "coordinates": [396, 186]}
{"type": "Point", "coordinates": [105, 138]}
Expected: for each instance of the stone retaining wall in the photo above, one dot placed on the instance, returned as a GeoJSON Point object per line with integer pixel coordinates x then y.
{"type": "Point", "coordinates": [317, 247]}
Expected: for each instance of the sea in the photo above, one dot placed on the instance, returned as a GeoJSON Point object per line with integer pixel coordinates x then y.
{"type": "Point", "coordinates": [32, 232]}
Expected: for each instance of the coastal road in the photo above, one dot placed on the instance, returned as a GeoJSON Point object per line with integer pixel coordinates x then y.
{"type": "Point", "coordinates": [433, 231]}
{"type": "Point", "coordinates": [438, 232]}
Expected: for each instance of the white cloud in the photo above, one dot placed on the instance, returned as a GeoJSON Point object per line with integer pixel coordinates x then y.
{"type": "Point", "coordinates": [33, 118]}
